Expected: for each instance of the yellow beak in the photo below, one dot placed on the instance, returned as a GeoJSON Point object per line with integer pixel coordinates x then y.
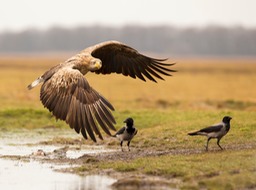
{"type": "Point", "coordinates": [98, 64]}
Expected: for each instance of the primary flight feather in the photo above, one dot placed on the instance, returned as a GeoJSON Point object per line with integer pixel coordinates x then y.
{"type": "Point", "coordinates": [67, 94]}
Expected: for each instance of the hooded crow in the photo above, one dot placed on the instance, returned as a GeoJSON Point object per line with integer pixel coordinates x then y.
{"type": "Point", "coordinates": [215, 131]}
{"type": "Point", "coordinates": [126, 133]}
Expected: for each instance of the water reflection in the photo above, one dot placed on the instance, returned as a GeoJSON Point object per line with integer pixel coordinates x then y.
{"type": "Point", "coordinates": [32, 175]}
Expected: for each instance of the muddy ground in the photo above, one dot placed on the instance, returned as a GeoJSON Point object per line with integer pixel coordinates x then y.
{"type": "Point", "coordinates": [73, 154]}
{"type": "Point", "coordinates": [70, 157]}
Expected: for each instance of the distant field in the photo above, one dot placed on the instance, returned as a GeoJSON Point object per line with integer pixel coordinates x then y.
{"type": "Point", "coordinates": [199, 94]}
{"type": "Point", "coordinates": [200, 84]}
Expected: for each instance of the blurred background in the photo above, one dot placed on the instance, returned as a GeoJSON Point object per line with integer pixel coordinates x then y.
{"type": "Point", "coordinates": [36, 35]}
{"type": "Point", "coordinates": [169, 27]}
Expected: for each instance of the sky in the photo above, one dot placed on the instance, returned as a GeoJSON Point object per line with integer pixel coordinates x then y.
{"type": "Point", "coordinates": [18, 15]}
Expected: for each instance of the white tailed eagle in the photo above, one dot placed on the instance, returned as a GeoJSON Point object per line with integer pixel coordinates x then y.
{"type": "Point", "coordinates": [68, 95]}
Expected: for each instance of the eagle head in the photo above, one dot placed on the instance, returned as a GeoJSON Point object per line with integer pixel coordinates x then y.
{"type": "Point", "coordinates": [95, 64]}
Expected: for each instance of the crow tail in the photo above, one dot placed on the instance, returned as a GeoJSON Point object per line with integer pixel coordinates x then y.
{"type": "Point", "coordinates": [193, 133]}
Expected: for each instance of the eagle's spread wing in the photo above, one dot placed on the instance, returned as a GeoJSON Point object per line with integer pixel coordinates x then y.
{"type": "Point", "coordinates": [120, 58]}
{"type": "Point", "coordinates": [69, 97]}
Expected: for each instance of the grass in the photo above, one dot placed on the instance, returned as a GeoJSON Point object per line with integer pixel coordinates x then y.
{"type": "Point", "coordinates": [27, 118]}
{"type": "Point", "coordinates": [200, 94]}
{"type": "Point", "coordinates": [213, 170]}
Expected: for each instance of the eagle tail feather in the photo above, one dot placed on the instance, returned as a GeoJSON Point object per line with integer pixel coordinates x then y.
{"type": "Point", "coordinates": [35, 83]}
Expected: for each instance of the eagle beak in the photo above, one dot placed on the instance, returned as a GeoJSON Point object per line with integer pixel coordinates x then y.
{"type": "Point", "coordinates": [98, 64]}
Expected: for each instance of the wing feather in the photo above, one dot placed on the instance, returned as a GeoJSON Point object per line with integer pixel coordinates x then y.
{"type": "Point", "coordinates": [100, 121]}
{"type": "Point", "coordinates": [106, 103]}
{"type": "Point", "coordinates": [95, 127]}
{"type": "Point", "coordinates": [69, 97]}
{"type": "Point", "coordinates": [159, 70]}
{"type": "Point", "coordinates": [137, 71]}
{"type": "Point", "coordinates": [161, 67]}
{"type": "Point", "coordinates": [107, 117]}
{"type": "Point", "coordinates": [89, 126]}
{"type": "Point", "coordinates": [85, 123]}
{"type": "Point", "coordinates": [154, 73]}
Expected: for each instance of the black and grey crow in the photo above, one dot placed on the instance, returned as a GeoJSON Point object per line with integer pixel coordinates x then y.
{"type": "Point", "coordinates": [215, 131]}
{"type": "Point", "coordinates": [126, 133]}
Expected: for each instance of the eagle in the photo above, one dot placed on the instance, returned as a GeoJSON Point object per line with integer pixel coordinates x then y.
{"type": "Point", "coordinates": [66, 93]}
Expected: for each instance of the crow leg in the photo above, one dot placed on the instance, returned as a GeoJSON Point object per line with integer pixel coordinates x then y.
{"type": "Point", "coordinates": [128, 144]}
{"type": "Point", "coordinates": [206, 147]}
{"type": "Point", "coordinates": [218, 143]}
{"type": "Point", "coordinates": [121, 144]}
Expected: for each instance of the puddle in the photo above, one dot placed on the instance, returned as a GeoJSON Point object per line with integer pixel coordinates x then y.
{"type": "Point", "coordinates": [23, 150]}
{"type": "Point", "coordinates": [34, 175]}
{"type": "Point", "coordinates": [26, 144]}
{"type": "Point", "coordinates": [30, 173]}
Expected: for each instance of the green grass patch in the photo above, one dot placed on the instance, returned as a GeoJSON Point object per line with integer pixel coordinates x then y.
{"type": "Point", "coordinates": [211, 170]}
{"type": "Point", "coordinates": [27, 118]}
{"type": "Point", "coordinates": [161, 129]}
{"type": "Point", "coordinates": [166, 130]}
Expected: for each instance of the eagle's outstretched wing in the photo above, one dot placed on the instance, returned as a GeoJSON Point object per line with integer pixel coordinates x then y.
{"type": "Point", "coordinates": [69, 97]}
{"type": "Point", "coordinates": [119, 58]}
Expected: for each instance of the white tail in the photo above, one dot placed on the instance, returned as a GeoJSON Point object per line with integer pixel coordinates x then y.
{"type": "Point", "coordinates": [35, 83]}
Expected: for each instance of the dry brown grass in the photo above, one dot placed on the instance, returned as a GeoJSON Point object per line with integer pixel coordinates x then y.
{"type": "Point", "coordinates": [197, 82]}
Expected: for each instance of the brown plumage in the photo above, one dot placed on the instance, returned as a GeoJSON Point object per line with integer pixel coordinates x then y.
{"type": "Point", "coordinates": [68, 95]}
